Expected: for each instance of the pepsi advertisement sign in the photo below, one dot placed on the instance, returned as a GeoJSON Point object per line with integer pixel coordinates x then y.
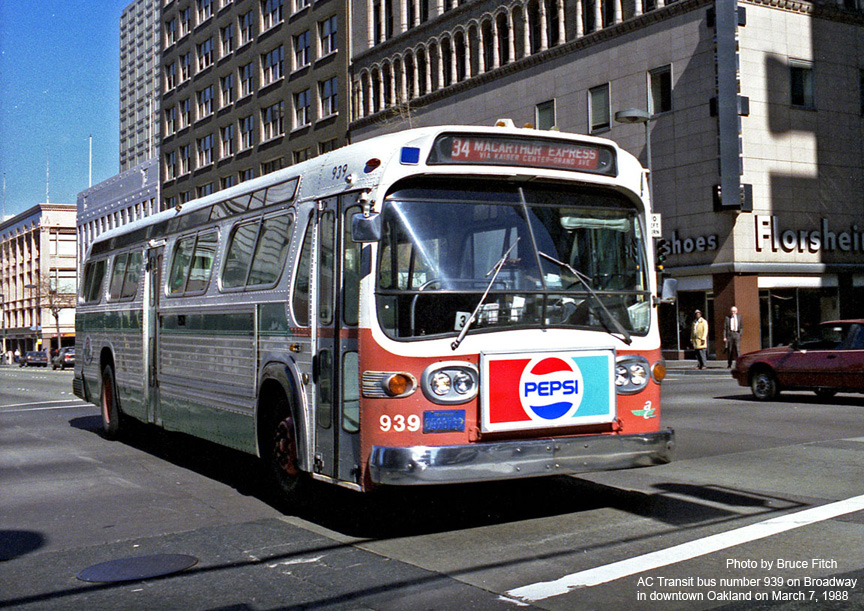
{"type": "Point", "coordinates": [554, 389]}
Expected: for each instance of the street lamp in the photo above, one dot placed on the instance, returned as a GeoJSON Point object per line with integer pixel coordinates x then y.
{"type": "Point", "coordinates": [637, 115]}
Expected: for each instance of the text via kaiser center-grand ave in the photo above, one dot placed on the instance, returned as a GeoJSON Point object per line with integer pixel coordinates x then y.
{"type": "Point", "coordinates": [765, 583]}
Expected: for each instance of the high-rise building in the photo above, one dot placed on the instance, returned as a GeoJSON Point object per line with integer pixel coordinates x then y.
{"type": "Point", "coordinates": [248, 87]}
{"type": "Point", "coordinates": [752, 109]}
{"type": "Point", "coordinates": [139, 83]}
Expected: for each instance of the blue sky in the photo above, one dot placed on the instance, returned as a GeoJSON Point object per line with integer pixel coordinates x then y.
{"type": "Point", "coordinates": [59, 83]}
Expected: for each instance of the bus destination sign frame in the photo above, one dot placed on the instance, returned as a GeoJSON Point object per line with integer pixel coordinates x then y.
{"type": "Point", "coordinates": [529, 152]}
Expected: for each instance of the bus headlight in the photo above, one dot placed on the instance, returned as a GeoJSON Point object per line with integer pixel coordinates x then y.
{"type": "Point", "coordinates": [632, 373]}
{"type": "Point", "coordinates": [450, 382]}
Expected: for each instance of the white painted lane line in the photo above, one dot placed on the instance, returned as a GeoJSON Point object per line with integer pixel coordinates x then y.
{"type": "Point", "coordinates": [39, 403]}
{"type": "Point", "coordinates": [42, 409]}
{"type": "Point", "coordinates": [686, 551]}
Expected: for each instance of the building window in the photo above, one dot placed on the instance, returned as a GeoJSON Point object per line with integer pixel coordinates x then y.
{"type": "Point", "coordinates": [226, 86]}
{"type": "Point", "coordinates": [185, 159]}
{"type": "Point", "coordinates": [205, 10]}
{"type": "Point", "coordinates": [205, 150]}
{"type": "Point", "coordinates": [185, 113]}
{"type": "Point", "coordinates": [861, 90]}
{"type": "Point", "coordinates": [227, 140]}
{"type": "Point", "coordinates": [170, 76]}
{"type": "Point", "coordinates": [302, 155]}
{"type": "Point", "coordinates": [227, 37]}
{"type": "Point", "coordinates": [272, 166]}
{"type": "Point", "coordinates": [247, 174]}
{"type": "Point", "coordinates": [185, 21]}
{"type": "Point", "coordinates": [598, 104]}
{"type": "Point", "coordinates": [801, 84]}
{"type": "Point", "coordinates": [205, 190]}
{"type": "Point", "coordinates": [271, 13]}
{"type": "Point", "coordinates": [301, 108]}
{"type": "Point", "coordinates": [660, 81]}
{"type": "Point", "coordinates": [246, 27]}
{"type": "Point", "coordinates": [271, 121]}
{"type": "Point", "coordinates": [185, 196]}
{"type": "Point", "coordinates": [170, 120]}
{"type": "Point", "coordinates": [301, 50]}
{"type": "Point", "coordinates": [299, 5]}
{"type": "Point", "coordinates": [171, 165]}
{"type": "Point", "coordinates": [170, 32]}
{"type": "Point", "coordinates": [326, 146]}
{"type": "Point", "coordinates": [185, 66]}
{"type": "Point", "coordinates": [205, 54]}
{"type": "Point", "coordinates": [226, 182]}
{"type": "Point", "coordinates": [271, 66]}
{"type": "Point", "coordinates": [246, 83]}
{"type": "Point", "coordinates": [327, 92]}
{"type": "Point", "coordinates": [205, 102]}
{"type": "Point", "coordinates": [544, 115]}
{"type": "Point", "coordinates": [327, 36]}
{"type": "Point", "coordinates": [247, 132]}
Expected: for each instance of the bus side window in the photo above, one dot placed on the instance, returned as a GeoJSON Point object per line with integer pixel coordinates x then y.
{"type": "Point", "coordinates": [239, 255]}
{"type": "Point", "coordinates": [94, 284]}
{"type": "Point", "coordinates": [271, 251]}
{"type": "Point", "coordinates": [133, 272]}
{"type": "Point", "coordinates": [180, 265]}
{"type": "Point", "coordinates": [118, 273]}
{"type": "Point", "coordinates": [300, 298]}
{"type": "Point", "coordinates": [202, 262]}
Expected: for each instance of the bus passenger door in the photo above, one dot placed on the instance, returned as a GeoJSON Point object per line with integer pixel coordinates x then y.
{"type": "Point", "coordinates": [336, 369]}
{"type": "Point", "coordinates": [151, 321]}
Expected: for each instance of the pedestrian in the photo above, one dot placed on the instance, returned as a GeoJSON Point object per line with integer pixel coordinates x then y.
{"type": "Point", "coordinates": [699, 339]}
{"type": "Point", "coordinates": [732, 336]}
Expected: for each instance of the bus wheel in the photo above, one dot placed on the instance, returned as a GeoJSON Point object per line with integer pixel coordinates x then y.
{"type": "Point", "coordinates": [110, 405]}
{"type": "Point", "coordinates": [283, 454]}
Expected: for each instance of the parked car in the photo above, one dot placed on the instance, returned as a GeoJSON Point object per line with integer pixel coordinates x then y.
{"type": "Point", "coordinates": [830, 363]}
{"type": "Point", "coordinates": [35, 358]}
{"type": "Point", "coordinates": [65, 358]}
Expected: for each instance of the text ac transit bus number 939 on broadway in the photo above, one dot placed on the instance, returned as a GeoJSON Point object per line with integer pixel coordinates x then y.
{"type": "Point", "coordinates": [448, 304]}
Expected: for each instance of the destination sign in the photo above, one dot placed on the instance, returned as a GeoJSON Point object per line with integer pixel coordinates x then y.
{"type": "Point", "coordinates": [524, 152]}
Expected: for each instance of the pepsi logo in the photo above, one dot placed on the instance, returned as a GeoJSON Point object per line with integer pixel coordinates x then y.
{"type": "Point", "coordinates": [550, 388]}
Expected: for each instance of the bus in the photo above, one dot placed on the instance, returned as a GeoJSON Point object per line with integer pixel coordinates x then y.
{"type": "Point", "coordinates": [440, 305]}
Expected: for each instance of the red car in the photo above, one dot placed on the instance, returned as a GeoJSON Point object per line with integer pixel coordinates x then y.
{"type": "Point", "coordinates": [831, 363]}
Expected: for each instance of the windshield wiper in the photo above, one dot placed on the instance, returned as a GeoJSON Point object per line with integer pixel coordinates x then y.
{"type": "Point", "coordinates": [586, 282]}
{"type": "Point", "coordinates": [496, 268]}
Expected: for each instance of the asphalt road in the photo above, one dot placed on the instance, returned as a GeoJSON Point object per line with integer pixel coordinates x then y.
{"type": "Point", "coordinates": [763, 500]}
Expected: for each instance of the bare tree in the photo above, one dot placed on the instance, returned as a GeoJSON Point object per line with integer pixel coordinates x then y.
{"type": "Point", "coordinates": [52, 297]}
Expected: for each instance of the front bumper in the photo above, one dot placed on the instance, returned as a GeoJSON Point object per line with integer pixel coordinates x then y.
{"type": "Point", "coordinates": [420, 465]}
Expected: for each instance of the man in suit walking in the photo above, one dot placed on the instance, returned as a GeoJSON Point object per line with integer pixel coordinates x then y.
{"type": "Point", "coordinates": [732, 335]}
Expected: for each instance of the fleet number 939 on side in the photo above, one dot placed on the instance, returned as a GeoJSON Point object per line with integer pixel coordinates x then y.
{"type": "Point", "coordinates": [399, 423]}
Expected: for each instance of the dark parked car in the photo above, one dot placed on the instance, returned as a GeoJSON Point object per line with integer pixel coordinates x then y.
{"type": "Point", "coordinates": [35, 358]}
{"type": "Point", "coordinates": [65, 358]}
{"type": "Point", "coordinates": [831, 363]}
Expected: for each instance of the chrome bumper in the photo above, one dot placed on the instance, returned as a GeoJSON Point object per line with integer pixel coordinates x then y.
{"type": "Point", "coordinates": [419, 465]}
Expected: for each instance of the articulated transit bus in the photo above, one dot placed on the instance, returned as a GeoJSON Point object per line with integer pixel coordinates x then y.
{"type": "Point", "coordinates": [440, 305]}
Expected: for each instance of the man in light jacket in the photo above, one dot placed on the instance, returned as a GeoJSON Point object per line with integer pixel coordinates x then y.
{"type": "Point", "coordinates": [699, 339]}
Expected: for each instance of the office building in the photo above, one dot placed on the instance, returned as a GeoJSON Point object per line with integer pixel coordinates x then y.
{"type": "Point", "coordinates": [139, 83]}
{"type": "Point", "coordinates": [248, 87]}
{"type": "Point", "coordinates": [38, 278]}
{"type": "Point", "coordinates": [755, 128]}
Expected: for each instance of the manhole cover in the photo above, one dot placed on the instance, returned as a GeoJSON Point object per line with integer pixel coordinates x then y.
{"type": "Point", "coordinates": [134, 569]}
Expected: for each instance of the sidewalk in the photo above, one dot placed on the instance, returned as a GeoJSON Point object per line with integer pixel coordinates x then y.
{"type": "Point", "coordinates": [688, 366]}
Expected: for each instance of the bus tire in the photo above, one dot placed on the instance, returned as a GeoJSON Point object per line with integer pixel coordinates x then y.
{"type": "Point", "coordinates": [110, 404]}
{"type": "Point", "coordinates": [280, 453]}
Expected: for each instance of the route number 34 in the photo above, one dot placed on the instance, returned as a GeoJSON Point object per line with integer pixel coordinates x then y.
{"type": "Point", "coordinates": [399, 423]}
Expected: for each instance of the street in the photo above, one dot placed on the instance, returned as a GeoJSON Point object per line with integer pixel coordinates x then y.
{"type": "Point", "coordinates": [761, 508]}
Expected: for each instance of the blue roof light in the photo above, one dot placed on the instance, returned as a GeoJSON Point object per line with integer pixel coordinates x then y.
{"type": "Point", "coordinates": [410, 155]}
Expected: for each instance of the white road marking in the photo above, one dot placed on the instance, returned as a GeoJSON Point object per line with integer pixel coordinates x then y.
{"type": "Point", "coordinates": [3, 410]}
{"type": "Point", "coordinates": [37, 403]}
{"type": "Point", "coordinates": [686, 551]}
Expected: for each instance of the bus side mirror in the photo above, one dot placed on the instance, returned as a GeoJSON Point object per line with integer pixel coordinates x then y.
{"type": "Point", "coordinates": [670, 290]}
{"type": "Point", "coordinates": [366, 228]}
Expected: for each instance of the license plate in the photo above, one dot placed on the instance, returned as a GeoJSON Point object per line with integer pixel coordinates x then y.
{"type": "Point", "coordinates": [444, 421]}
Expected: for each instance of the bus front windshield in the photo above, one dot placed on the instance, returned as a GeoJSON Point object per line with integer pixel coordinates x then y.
{"type": "Point", "coordinates": [544, 257]}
